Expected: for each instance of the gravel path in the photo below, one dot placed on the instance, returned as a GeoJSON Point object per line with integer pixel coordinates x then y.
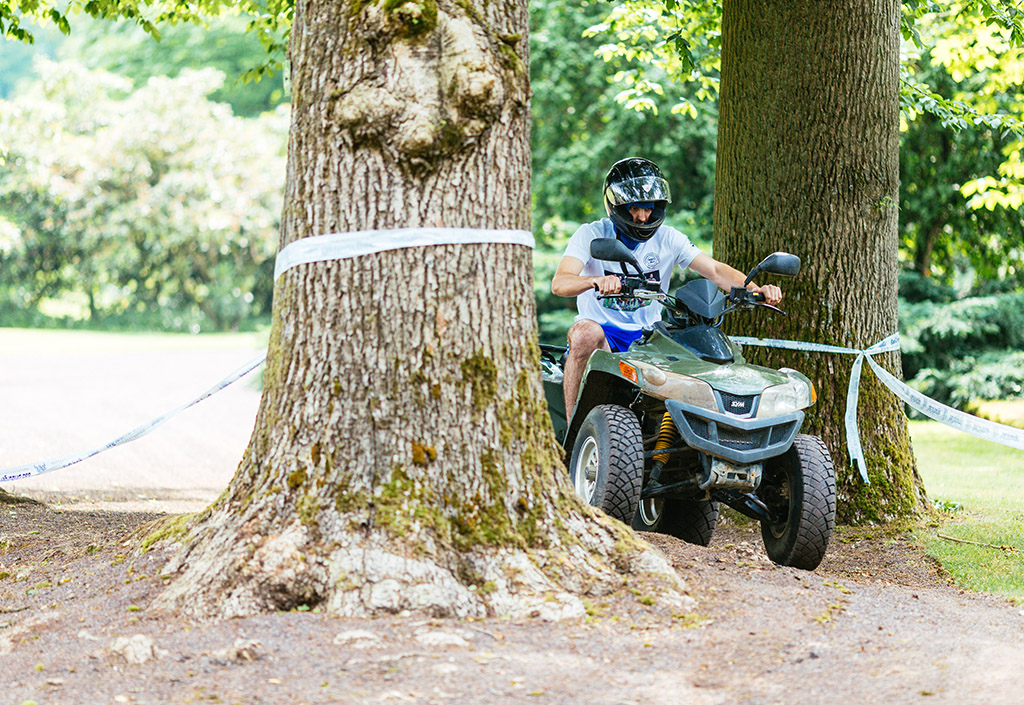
{"type": "Point", "coordinates": [876, 623]}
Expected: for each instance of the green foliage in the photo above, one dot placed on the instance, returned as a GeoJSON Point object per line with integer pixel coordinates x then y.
{"type": "Point", "coordinates": [941, 233]}
{"type": "Point", "coordinates": [980, 43]}
{"type": "Point", "coordinates": [149, 204]}
{"type": "Point", "coordinates": [555, 314]}
{"type": "Point", "coordinates": [659, 41]}
{"type": "Point", "coordinates": [965, 350]}
{"type": "Point", "coordinates": [915, 288]}
{"type": "Point", "coordinates": [223, 44]}
{"type": "Point", "coordinates": [579, 129]}
{"type": "Point", "coordinates": [16, 58]}
{"type": "Point", "coordinates": [268, 20]}
{"type": "Point", "coordinates": [678, 41]}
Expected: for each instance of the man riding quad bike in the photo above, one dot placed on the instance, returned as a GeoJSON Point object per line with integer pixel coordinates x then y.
{"type": "Point", "coordinates": [669, 420]}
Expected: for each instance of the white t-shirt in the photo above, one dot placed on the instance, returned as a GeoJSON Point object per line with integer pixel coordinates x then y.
{"type": "Point", "coordinates": [657, 256]}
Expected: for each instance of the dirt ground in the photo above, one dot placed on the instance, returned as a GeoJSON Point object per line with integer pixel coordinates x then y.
{"type": "Point", "coordinates": [878, 622]}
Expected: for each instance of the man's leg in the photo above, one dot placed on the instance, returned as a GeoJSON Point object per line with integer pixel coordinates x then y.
{"type": "Point", "coordinates": [584, 338]}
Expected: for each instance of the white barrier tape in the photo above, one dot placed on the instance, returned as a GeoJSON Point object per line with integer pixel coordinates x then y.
{"type": "Point", "coordinates": [987, 430]}
{"type": "Point", "coordinates": [23, 471]}
{"type": "Point", "coordinates": [320, 248]}
{"type": "Point", "coordinates": [852, 391]}
{"type": "Point", "coordinates": [982, 428]}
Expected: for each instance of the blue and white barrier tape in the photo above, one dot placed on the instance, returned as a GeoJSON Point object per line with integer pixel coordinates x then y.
{"type": "Point", "coordinates": [346, 245]}
{"type": "Point", "coordinates": [23, 471]}
{"type": "Point", "coordinates": [311, 249]}
{"type": "Point", "coordinates": [987, 430]}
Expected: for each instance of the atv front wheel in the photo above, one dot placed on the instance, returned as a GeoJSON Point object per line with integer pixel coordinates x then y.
{"type": "Point", "coordinates": [607, 465]}
{"type": "Point", "coordinates": [692, 520]}
{"type": "Point", "coordinates": [799, 487]}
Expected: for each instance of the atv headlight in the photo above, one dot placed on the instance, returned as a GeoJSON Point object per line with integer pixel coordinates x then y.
{"type": "Point", "coordinates": [798, 393]}
{"type": "Point", "coordinates": [672, 385]}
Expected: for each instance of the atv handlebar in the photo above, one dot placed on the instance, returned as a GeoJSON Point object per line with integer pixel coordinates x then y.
{"type": "Point", "coordinates": [639, 288]}
{"type": "Point", "coordinates": [743, 295]}
{"type": "Point", "coordinates": [745, 299]}
{"type": "Point", "coordinates": [636, 288]}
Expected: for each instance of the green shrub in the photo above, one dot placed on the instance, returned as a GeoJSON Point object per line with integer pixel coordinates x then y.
{"type": "Point", "coordinates": [131, 206]}
{"type": "Point", "coordinates": [964, 350]}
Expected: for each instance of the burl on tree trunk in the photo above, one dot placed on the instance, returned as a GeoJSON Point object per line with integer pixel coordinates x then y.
{"type": "Point", "coordinates": [808, 163]}
{"type": "Point", "coordinates": [403, 458]}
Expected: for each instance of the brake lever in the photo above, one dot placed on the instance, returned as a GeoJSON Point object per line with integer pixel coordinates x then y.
{"type": "Point", "coordinates": [773, 308]}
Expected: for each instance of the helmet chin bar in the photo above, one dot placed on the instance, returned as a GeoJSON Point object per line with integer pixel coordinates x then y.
{"type": "Point", "coordinates": [624, 223]}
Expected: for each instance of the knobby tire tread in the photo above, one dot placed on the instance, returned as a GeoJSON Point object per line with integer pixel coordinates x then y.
{"type": "Point", "coordinates": [817, 518]}
{"type": "Point", "coordinates": [692, 520]}
{"type": "Point", "coordinates": [626, 463]}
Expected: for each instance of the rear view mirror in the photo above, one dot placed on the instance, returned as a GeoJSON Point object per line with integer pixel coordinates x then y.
{"type": "Point", "coordinates": [611, 250]}
{"type": "Point", "coordinates": [781, 263]}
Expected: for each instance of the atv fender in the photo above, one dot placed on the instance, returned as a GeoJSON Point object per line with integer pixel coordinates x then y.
{"type": "Point", "coordinates": [598, 387]}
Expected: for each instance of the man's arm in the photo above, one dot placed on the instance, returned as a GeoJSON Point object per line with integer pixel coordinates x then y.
{"type": "Point", "coordinates": [568, 282]}
{"type": "Point", "coordinates": [726, 277]}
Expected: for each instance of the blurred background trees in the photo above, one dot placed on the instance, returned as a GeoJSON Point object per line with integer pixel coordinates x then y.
{"type": "Point", "coordinates": [136, 205]}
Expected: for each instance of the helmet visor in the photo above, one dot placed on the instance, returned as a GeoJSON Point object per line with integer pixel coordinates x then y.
{"type": "Point", "coordinates": [640, 189]}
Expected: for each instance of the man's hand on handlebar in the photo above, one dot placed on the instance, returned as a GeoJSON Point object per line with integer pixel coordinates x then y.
{"type": "Point", "coordinates": [608, 284]}
{"type": "Point", "coordinates": [772, 294]}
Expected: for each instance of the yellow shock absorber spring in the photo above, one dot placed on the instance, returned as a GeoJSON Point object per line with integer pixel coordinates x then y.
{"type": "Point", "coordinates": [666, 437]}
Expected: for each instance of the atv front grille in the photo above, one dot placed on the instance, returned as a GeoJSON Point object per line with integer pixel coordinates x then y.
{"type": "Point", "coordinates": [741, 440]}
{"type": "Point", "coordinates": [732, 438]}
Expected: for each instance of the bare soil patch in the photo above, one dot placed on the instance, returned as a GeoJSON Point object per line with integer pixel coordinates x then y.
{"type": "Point", "coordinates": [878, 622]}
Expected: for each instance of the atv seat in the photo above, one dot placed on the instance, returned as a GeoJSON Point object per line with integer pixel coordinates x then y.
{"type": "Point", "coordinates": [554, 354]}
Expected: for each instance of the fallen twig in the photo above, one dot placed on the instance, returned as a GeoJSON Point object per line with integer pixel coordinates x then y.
{"type": "Point", "coordinates": [1004, 548]}
{"type": "Point", "coordinates": [11, 610]}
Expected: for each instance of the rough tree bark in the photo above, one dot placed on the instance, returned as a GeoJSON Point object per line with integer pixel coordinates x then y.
{"type": "Point", "coordinates": [402, 458]}
{"type": "Point", "coordinates": [808, 163]}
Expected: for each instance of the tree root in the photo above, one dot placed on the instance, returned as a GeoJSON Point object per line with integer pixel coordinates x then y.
{"type": "Point", "coordinates": [230, 573]}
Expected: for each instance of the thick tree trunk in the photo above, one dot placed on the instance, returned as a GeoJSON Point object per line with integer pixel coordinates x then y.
{"type": "Point", "coordinates": [403, 458]}
{"type": "Point", "coordinates": [807, 163]}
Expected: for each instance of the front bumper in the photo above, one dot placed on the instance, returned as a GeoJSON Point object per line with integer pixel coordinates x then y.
{"type": "Point", "coordinates": [736, 439]}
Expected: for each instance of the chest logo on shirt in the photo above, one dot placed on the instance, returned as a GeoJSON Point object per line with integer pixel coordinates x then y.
{"type": "Point", "coordinates": [652, 260]}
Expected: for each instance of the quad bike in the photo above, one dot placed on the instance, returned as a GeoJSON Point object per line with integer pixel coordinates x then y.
{"type": "Point", "coordinates": [663, 433]}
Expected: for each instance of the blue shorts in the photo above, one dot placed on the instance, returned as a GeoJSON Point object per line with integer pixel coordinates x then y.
{"type": "Point", "coordinates": [619, 339]}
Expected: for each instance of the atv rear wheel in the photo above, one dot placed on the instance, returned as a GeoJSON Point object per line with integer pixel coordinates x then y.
{"type": "Point", "coordinates": [607, 464]}
{"type": "Point", "coordinates": [692, 520]}
{"type": "Point", "coordinates": [799, 487]}
{"type": "Point", "coordinates": [649, 514]}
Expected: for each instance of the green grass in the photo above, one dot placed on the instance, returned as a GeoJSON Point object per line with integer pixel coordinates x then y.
{"type": "Point", "coordinates": [978, 488]}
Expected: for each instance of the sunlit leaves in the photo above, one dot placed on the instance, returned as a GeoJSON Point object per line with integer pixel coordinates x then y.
{"type": "Point", "coordinates": [270, 19]}
{"type": "Point", "coordinates": [667, 43]}
{"type": "Point", "coordinates": [1006, 191]}
{"type": "Point", "coordinates": [144, 199]}
{"type": "Point", "coordinates": [981, 44]}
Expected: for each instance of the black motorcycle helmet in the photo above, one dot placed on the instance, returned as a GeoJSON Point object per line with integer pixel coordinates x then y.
{"type": "Point", "coordinates": [636, 181]}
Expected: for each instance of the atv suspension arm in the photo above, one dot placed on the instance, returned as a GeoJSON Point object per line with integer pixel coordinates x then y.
{"type": "Point", "coordinates": [747, 505]}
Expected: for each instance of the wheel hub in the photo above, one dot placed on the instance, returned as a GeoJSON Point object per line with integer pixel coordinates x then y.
{"type": "Point", "coordinates": [650, 510]}
{"type": "Point", "coordinates": [586, 469]}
